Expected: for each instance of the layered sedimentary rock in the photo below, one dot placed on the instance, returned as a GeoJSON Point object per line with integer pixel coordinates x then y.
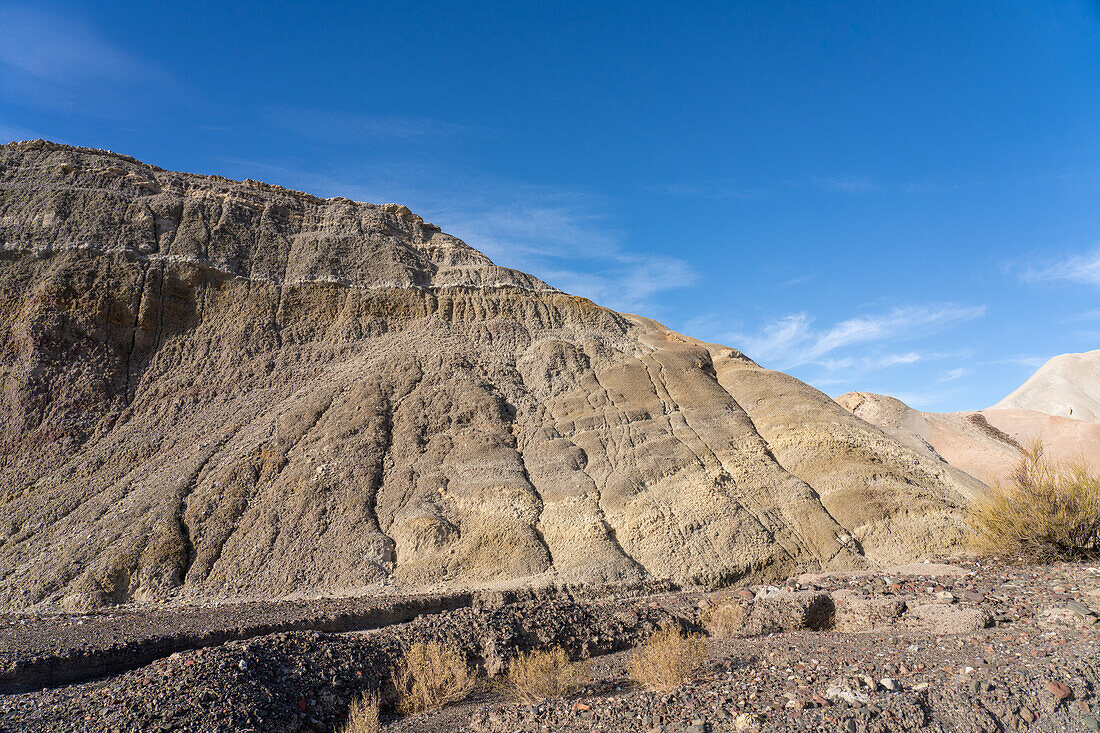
{"type": "Point", "coordinates": [229, 389]}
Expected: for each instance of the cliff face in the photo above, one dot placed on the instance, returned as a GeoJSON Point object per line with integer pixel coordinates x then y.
{"type": "Point", "coordinates": [213, 388]}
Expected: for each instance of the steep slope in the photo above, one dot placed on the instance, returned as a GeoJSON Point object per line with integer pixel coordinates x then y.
{"type": "Point", "coordinates": [1068, 386]}
{"type": "Point", "coordinates": [985, 444]}
{"type": "Point", "coordinates": [227, 389]}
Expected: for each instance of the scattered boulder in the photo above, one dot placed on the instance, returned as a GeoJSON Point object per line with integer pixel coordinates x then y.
{"type": "Point", "coordinates": [856, 613]}
{"type": "Point", "coordinates": [784, 610]}
{"type": "Point", "coordinates": [1063, 616]}
{"type": "Point", "coordinates": [942, 619]}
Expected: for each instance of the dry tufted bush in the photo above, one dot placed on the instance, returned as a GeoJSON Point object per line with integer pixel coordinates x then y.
{"type": "Point", "coordinates": [539, 675]}
{"type": "Point", "coordinates": [667, 659]}
{"type": "Point", "coordinates": [1046, 511]}
{"type": "Point", "coordinates": [725, 618]}
{"type": "Point", "coordinates": [363, 716]}
{"type": "Point", "coordinates": [431, 675]}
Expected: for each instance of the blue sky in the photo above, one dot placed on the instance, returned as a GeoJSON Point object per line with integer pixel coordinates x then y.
{"type": "Point", "coordinates": [889, 196]}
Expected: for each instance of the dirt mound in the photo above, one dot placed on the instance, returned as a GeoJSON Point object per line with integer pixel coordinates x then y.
{"type": "Point", "coordinates": [220, 389]}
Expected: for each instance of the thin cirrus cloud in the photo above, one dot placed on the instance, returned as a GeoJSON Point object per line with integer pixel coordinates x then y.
{"type": "Point", "coordinates": [793, 340]}
{"type": "Point", "coordinates": [952, 374]}
{"type": "Point", "coordinates": [838, 184]}
{"type": "Point", "coordinates": [9, 133]}
{"type": "Point", "coordinates": [558, 235]}
{"type": "Point", "coordinates": [328, 125]}
{"type": "Point", "coordinates": [1082, 269]}
{"type": "Point", "coordinates": [54, 61]}
{"type": "Point", "coordinates": [626, 282]}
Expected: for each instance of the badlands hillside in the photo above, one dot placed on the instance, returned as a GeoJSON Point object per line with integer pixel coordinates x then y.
{"type": "Point", "coordinates": [1059, 404]}
{"type": "Point", "coordinates": [1067, 386]}
{"type": "Point", "coordinates": [216, 389]}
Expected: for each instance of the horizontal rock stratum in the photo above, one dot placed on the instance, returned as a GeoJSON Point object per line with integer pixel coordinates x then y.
{"type": "Point", "coordinates": [219, 389]}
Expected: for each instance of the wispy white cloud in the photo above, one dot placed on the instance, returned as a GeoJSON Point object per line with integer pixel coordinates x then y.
{"type": "Point", "coordinates": [792, 340]}
{"type": "Point", "coordinates": [922, 400]}
{"type": "Point", "coordinates": [839, 184]}
{"type": "Point", "coordinates": [1082, 268]}
{"type": "Point", "coordinates": [53, 60]}
{"type": "Point", "coordinates": [896, 359]}
{"type": "Point", "coordinates": [952, 374]}
{"type": "Point", "coordinates": [560, 236]}
{"type": "Point", "coordinates": [627, 282]}
{"type": "Point", "coordinates": [856, 345]}
{"type": "Point", "coordinates": [329, 125]}
{"type": "Point", "coordinates": [830, 184]}
{"type": "Point", "coordinates": [8, 133]}
{"type": "Point", "coordinates": [718, 190]}
{"type": "Point", "coordinates": [1025, 360]}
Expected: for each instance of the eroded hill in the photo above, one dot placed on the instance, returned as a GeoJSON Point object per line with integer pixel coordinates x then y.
{"type": "Point", "coordinates": [228, 389]}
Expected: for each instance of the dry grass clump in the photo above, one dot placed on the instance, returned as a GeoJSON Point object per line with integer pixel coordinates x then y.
{"type": "Point", "coordinates": [431, 675]}
{"type": "Point", "coordinates": [724, 619]}
{"type": "Point", "coordinates": [363, 716]}
{"type": "Point", "coordinates": [1046, 511]}
{"type": "Point", "coordinates": [540, 675]}
{"type": "Point", "coordinates": [667, 659]}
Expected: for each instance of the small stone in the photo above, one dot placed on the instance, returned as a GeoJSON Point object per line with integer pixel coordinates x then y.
{"type": "Point", "coordinates": [1091, 723]}
{"type": "Point", "coordinates": [889, 683]}
{"type": "Point", "coordinates": [849, 727]}
{"type": "Point", "coordinates": [1080, 608]}
{"type": "Point", "coordinates": [1027, 715]}
{"type": "Point", "coordinates": [1060, 690]}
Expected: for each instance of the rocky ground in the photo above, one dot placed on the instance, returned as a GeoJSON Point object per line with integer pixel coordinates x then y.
{"type": "Point", "coordinates": [972, 647]}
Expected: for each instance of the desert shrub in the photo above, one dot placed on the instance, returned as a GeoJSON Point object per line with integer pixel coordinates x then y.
{"type": "Point", "coordinates": [539, 675]}
{"type": "Point", "coordinates": [363, 716]}
{"type": "Point", "coordinates": [724, 619]}
{"type": "Point", "coordinates": [667, 659]}
{"type": "Point", "coordinates": [1045, 511]}
{"type": "Point", "coordinates": [431, 675]}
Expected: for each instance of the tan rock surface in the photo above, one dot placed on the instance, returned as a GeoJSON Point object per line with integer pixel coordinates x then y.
{"type": "Point", "coordinates": [221, 389]}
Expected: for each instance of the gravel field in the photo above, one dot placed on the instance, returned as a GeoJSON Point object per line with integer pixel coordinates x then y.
{"type": "Point", "coordinates": [970, 647]}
